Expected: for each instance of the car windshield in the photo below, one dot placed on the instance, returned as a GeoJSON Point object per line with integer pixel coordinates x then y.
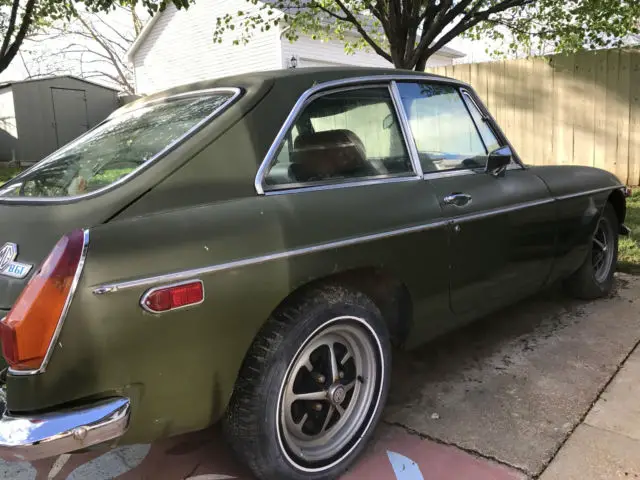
{"type": "Point", "coordinates": [115, 149]}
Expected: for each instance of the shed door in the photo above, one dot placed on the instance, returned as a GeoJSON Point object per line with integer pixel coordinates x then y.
{"type": "Point", "coordinates": [70, 114]}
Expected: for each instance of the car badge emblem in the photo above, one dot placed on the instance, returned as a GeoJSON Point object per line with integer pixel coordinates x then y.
{"type": "Point", "coordinates": [8, 266]}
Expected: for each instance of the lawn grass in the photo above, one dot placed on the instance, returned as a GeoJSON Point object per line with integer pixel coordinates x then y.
{"type": "Point", "coordinates": [629, 248]}
{"type": "Point", "coordinates": [7, 174]}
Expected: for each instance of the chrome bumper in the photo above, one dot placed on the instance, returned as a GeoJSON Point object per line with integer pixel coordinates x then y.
{"type": "Point", "coordinates": [51, 434]}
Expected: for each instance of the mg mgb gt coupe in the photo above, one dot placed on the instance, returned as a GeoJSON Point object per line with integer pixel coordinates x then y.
{"type": "Point", "coordinates": [249, 249]}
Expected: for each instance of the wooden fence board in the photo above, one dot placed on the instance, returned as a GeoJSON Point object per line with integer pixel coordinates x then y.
{"type": "Point", "coordinates": [634, 119]}
{"type": "Point", "coordinates": [581, 109]}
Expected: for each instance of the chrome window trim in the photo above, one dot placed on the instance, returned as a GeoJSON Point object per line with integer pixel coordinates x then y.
{"type": "Point", "coordinates": [235, 94]}
{"type": "Point", "coordinates": [185, 275]}
{"type": "Point", "coordinates": [451, 173]}
{"type": "Point", "coordinates": [144, 297]}
{"type": "Point", "coordinates": [405, 126]}
{"type": "Point", "coordinates": [304, 98]}
{"type": "Point", "coordinates": [329, 184]}
{"type": "Point", "coordinates": [503, 140]}
{"type": "Point", "coordinates": [483, 114]}
{"type": "Point", "coordinates": [305, 187]}
{"type": "Point", "coordinates": [63, 314]}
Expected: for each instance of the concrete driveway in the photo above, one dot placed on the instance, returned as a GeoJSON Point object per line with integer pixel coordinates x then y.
{"type": "Point", "coordinates": [496, 400]}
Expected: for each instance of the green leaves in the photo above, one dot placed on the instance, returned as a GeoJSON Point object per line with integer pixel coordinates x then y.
{"type": "Point", "coordinates": [552, 26]}
{"type": "Point", "coordinates": [19, 18]}
{"type": "Point", "coordinates": [408, 32]}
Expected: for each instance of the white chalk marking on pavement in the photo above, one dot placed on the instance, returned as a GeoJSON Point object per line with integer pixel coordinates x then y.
{"type": "Point", "coordinates": [404, 467]}
{"type": "Point", "coordinates": [210, 476]}
{"type": "Point", "coordinates": [57, 465]}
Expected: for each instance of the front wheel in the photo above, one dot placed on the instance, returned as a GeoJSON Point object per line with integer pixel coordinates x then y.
{"type": "Point", "coordinates": [594, 279]}
{"type": "Point", "coordinates": [312, 387]}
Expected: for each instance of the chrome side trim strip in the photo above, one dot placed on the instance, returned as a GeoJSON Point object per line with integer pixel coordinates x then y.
{"type": "Point", "coordinates": [301, 102]}
{"type": "Point", "coordinates": [589, 192]}
{"type": "Point", "coordinates": [405, 126]}
{"type": "Point", "coordinates": [63, 315]}
{"type": "Point", "coordinates": [32, 437]}
{"type": "Point", "coordinates": [235, 93]}
{"type": "Point", "coordinates": [197, 272]}
{"type": "Point", "coordinates": [498, 211]}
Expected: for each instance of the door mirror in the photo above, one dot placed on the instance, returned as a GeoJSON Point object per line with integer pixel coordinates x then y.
{"type": "Point", "coordinates": [498, 161]}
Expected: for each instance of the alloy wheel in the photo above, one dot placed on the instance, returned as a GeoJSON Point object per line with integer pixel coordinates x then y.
{"type": "Point", "coordinates": [328, 393]}
{"type": "Point", "coordinates": [602, 251]}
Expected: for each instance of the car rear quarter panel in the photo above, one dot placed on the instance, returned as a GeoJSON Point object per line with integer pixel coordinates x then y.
{"type": "Point", "coordinates": [180, 367]}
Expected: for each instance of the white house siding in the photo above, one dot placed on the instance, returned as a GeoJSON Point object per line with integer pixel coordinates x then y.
{"type": "Point", "coordinates": [316, 53]}
{"type": "Point", "coordinates": [179, 48]}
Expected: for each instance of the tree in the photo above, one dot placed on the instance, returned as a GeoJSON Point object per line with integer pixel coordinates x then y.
{"type": "Point", "coordinates": [90, 46]}
{"type": "Point", "coordinates": [18, 18]}
{"type": "Point", "coordinates": [408, 32]}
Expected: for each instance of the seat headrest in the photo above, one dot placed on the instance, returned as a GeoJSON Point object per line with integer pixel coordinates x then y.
{"type": "Point", "coordinates": [328, 154]}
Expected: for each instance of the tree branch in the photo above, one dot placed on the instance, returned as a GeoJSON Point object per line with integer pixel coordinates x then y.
{"type": "Point", "coordinates": [10, 28]}
{"type": "Point", "coordinates": [27, 21]}
{"type": "Point", "coordinates": [352, 19]}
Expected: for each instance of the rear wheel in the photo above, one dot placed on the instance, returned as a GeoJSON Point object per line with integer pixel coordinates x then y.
{"type": "Point", "coordinates": [312, 387]}
{"type": "Point", "coordinates": [594, 278]}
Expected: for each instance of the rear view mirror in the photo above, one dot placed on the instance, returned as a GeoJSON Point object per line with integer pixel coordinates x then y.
{"type": "Point", "coordinates": [498, 161]}
{"type": "Point", "coordinates": [388, 121]}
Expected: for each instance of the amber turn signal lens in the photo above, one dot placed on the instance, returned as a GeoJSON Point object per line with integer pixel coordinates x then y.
{"type": "Point", "coordinates": [175, 296]}
{"type": "Point", "coordinates": [28, 329]}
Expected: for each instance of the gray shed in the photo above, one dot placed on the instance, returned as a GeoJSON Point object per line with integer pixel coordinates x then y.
{"type": "Point", "coordinates": [38, 116]}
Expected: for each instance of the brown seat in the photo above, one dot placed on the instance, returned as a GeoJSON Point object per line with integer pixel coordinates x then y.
{"type": "Point", "coordinates": [329, 154]}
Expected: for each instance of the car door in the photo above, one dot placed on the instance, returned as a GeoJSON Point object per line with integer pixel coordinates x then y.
{"type": "Point", "coordinates": [342, 176]}
{"type": "Point", "coordinates": [502, 230]}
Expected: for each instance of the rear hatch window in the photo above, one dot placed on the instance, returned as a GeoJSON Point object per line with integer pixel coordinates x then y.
{"type": "Point", "coordinates": [119, 147]}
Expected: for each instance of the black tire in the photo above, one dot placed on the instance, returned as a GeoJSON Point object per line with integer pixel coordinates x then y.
{"type": "Point", "coordinates": [589, 283]}
{"type": "Point", "coordinates": [255, 423]}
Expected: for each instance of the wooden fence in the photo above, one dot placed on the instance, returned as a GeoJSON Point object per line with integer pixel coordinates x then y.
{"type": "Point", "coordinates": [581, 109]}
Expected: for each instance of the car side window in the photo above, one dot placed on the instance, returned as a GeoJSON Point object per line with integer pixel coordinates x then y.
{"type": "Point", "coordinates": [445, 135]}
{"type": "Point", "coordinates": [339, 137]}
{"type": "Point", "coordinates": [489, 138]}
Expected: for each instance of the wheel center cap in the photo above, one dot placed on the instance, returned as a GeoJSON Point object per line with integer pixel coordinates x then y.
{"type": "Point", "coordinates": [337, 394]}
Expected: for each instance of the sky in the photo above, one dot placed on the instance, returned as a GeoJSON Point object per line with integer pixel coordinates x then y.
{"type": "Point", "coordinates": [120, 20]}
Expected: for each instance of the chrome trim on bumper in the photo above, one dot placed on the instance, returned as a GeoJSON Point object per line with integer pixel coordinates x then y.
{"type": "Point", "coordinates": [51, 434]}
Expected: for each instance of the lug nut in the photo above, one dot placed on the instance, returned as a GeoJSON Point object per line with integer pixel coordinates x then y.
{"type": "Point", "coordinates": [317, 407]}
{"type": "Point", "coordinates": [341, 374]}
{"type": "Point", "coordinates": [319, 377]}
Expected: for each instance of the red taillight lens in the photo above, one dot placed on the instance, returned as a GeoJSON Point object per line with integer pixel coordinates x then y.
{"type": "Point", "coordinates": [28, 329]}
{"type": "Point", "coordinates": [172, 297]}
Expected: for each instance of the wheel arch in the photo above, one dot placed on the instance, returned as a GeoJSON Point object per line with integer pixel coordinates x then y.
{"type": "Point", "coordinates": [389, 293]}
{"type": "Point", "coordinates": [617, 200]}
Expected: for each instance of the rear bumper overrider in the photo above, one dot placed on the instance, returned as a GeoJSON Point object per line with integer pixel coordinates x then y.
{"type": "Point", "coordinates": [32, 437]}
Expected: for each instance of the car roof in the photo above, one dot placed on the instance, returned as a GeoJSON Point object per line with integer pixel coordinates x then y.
{"type": "Point", "coordinates": [300, 76]}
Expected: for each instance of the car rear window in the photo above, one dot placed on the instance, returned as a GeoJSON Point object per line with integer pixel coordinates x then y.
{"type": "Point", "coordinates": [117, 148]}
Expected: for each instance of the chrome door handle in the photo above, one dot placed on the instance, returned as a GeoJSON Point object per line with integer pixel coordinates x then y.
{"type": "Point", "coordinates": [457, 199]}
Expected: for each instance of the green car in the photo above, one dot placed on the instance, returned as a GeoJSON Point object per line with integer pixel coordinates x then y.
{"type": "Point", "coordinates": [250, 249]}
